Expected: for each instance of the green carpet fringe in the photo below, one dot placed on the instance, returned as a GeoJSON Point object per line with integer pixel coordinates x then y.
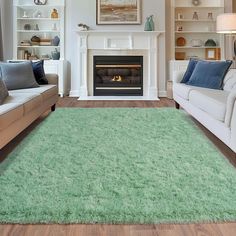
{"type": "Point", "coordinates": [117, 166]}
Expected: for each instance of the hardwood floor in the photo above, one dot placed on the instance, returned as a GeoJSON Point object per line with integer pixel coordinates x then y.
{"type": "Point", "coordinates": [224, 229]}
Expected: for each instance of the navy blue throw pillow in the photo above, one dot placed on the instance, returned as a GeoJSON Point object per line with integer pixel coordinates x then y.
{"type": "Point", "coordinates": [191, 66]}
{"type": "Point", "coordinates": [39, 72]}
{"type": "Point", "coordinates": [209, 74]}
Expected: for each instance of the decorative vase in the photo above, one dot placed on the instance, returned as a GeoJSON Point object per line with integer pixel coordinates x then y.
{"type": "Point", "coordinates": [151, 23]}
{"type": "Point", "coordinates": [55, 54]}
{"type": "Point", "coordinates": [54, 13]}
{"type": "Point", "coordinates": [210, 43]}
{"type": "Point", "coordinates": [56, 41]}
{"type": "Point", "coordinates": [35, 40]}
{"type": "Point", "coordinates": [27, 27]}
{"type": "Point", "coordinates": [147, 25]}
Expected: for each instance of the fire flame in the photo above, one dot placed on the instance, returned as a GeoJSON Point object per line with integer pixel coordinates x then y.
{"type": "Point", "coordinates": [117, 78]}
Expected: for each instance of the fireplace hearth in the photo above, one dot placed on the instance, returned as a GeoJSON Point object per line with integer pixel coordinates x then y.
{"type": "Point", "coordinates": [118, 75]}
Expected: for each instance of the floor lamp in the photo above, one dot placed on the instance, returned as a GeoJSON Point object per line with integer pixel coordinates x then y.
{"type": "Point", "coordinates": [226, 24]}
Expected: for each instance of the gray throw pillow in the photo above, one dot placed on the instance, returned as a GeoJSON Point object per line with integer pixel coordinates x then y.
{"type": "Point", "coordinates": [18, 75]}
{"type": "Point", "coordinates": [3, 91]}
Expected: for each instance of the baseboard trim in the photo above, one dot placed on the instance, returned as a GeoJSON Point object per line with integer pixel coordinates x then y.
{"type": "Point", "coordinates": [74, 93]}
{"type": "Point", "coordinates": [162, 94]}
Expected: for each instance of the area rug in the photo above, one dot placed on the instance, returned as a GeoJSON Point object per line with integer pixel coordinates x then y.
{"type": "Point", "coordinates": [117, 166]}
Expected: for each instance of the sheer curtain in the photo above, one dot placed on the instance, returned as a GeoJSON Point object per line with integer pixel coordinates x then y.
{"type": "Point", "coordinates": [1, 44]}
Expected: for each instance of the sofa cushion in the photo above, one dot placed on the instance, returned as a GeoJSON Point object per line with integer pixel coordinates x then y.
{"type": "Point", "coordinates": [211, 101]}
{"type": "Point", "coordinates": [209, 74]}
{"type": "Point", "coordinates": [30, 101]}
{"type": "Point", "coordinates": [39, 73]}
{"type": "Point", "coordinates": [18, 75]}
{"type": "Point", "coordinates": [9, 113]}
{"type": "Point", "coordinates": [230, 80]}
{"type": "Point", "coordinates": [191, 66]}
{"type": "Point", "coordinates": [183, 90]}
{"type": "Point", "coordinates": [46, 91]}
{"type": "Point", "coordinates": [3, 91]}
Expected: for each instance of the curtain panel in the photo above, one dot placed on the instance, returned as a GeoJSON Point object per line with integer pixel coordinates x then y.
{"type": "Point", "coordinates": [1, 43]}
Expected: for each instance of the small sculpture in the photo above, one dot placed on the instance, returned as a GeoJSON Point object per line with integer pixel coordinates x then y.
{"type": "Point", "coordinates": [195, 16]}
{"type": "Point", "coordinates": [210, 16]}
{"type": "Point", "coordinates": [54, 14]}
{"type": "Point", "coordinates": [83, 27]}
{"type": "Point", "coordinates": [25, 15]}
{"type": "Point", "coordinates": [179, 28]}
{"type": "Point", "coordinates": [36, 27]}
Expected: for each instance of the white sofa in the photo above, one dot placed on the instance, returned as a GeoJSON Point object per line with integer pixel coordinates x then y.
{"type": "Point", "coordinates": [215, 109]}
{"type": "Point", "coordinates": [22, 107]}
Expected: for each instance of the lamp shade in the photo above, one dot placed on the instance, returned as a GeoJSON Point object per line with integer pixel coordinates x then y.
{"type": "Point", "coordinates": [226, 23]}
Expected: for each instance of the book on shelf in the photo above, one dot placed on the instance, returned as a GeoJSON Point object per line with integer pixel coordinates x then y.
{"type": "Point", "coordinates": [45, 43]}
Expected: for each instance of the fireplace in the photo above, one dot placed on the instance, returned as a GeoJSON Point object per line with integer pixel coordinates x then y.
{"type": "Point", "coordinates": [118, 75]}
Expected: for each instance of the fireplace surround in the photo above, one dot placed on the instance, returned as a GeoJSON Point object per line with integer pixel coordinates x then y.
{"type": "Point", "coordinates": [118, 76]}
{"type": "Point", "coordinates": [117, 43]}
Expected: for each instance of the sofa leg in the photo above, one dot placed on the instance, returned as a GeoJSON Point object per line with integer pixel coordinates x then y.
{"type": "Point", "coordinates": [53, 108]}
{"type": "Point", "coordinates": [177, 106]}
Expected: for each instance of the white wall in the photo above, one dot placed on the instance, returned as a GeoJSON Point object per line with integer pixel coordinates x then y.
{"type": "Point", "coordinates": [78, 11]}
{"type": "Point", "coordinates": [84, 11]}
{"type": "Point", "coordinates": [7, 21]}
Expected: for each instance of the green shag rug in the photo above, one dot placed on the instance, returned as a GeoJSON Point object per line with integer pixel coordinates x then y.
{"type": "Point", "coordinates": [117, 166]}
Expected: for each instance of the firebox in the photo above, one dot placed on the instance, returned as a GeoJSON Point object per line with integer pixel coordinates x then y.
{"type": "Point", "coordinates": [118, 76]}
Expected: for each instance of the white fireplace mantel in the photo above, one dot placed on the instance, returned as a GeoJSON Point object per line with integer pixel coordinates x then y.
{"type": "Point", "coordinates": [94, 42]}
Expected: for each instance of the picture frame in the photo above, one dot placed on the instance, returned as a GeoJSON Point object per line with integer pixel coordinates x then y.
{"type": "Point", "coordinates": [212, 53]}
{"type": "Point", "coordinates": [118, 12]}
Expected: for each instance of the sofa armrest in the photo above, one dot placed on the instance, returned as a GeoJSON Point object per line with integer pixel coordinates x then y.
{"type": "Point", "coordinates": [178, 76]}
{"type": "Point", "coordinates": [230, 107]}
{"type": "Point", "coordinates": [233, 129]}
{"type": "Point", "coordinates": [52, 78]}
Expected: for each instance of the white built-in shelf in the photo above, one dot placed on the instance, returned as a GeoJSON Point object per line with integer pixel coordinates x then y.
{"type": "Point", "coordinates": [191, 47]}
{"type": "Point", "coordinates": [38, 19]}
{"type": "Point", "coordinates": [46, 25]}
{"type": "Point", "coordinates": [47, 6]}
{"type": "Point", "coordinates": [199, 7]}
{"type": "Point", "coordinates": [200, 20]}
{"type": "Point", "coordinates": [38, 46]}
{"type": "Point", "coordinates": [38, 31]}
{"type": "Point", "coordinates": [195, 32]}
{"type": "Point", "coordinates": [117, 31]}
{"type": "Point", "coordinates": [201, 27]}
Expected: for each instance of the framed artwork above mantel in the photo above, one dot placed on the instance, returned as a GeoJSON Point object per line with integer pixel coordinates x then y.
{"type": "Point", "coordinates": [118, 12]}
